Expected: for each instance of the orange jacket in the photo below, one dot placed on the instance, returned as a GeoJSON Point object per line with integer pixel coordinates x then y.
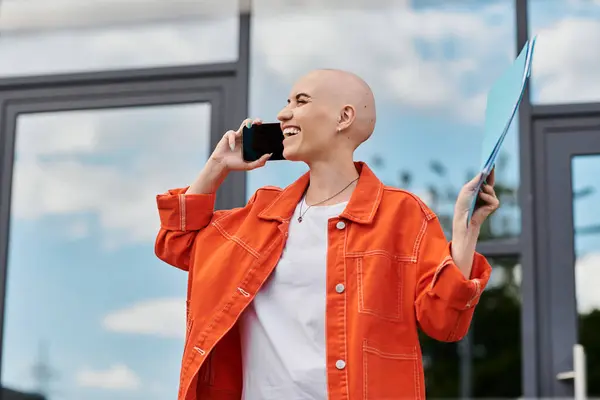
{"type": "Point", "coordinates": [389, 271]}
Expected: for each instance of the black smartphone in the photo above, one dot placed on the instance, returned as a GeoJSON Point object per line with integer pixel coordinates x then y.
{"type": "Point", "coordinates": [262, 139]}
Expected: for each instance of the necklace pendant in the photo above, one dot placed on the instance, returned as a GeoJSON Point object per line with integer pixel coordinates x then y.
{"type": "Point", "coordinates": [300, 219]}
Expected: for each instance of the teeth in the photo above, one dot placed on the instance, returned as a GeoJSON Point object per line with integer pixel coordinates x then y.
{"type": "Point", "coordinates": [287, 132]}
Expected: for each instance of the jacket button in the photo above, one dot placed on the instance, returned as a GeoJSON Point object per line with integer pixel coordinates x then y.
{"type": "Point", "coordinates": [340, 364]}
{"type": "Point", "coordinates": [339, 288]}
{"type": "Point", "coordinates": [340, 225]}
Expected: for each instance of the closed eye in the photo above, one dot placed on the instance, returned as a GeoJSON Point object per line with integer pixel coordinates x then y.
{"type": "Point", "coordinates": [300, 98]}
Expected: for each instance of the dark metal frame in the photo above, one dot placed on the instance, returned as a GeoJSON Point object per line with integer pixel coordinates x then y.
{"type": "Point", "coordinates": [559, 138]}
{"type": "Point", "coordinates": [548, 320]}
{"type": "Point", "coordinates": [529, 304]}
{"type": "Point", "coordinates": [226, 85]}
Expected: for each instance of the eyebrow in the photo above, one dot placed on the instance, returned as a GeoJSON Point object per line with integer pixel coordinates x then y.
{"type": "Point", "coordinates": [299, 95]}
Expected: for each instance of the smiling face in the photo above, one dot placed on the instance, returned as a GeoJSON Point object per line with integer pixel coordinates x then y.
{"type": "Point", "coordinates": [310, 120]}
{"type": "Point", "coordinates": [328, 115]}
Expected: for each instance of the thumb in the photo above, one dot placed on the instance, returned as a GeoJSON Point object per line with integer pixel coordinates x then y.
{"type": "Point", "coordinates": [472, 184]}
{"type": "Point", "coordinates": [258, 163]}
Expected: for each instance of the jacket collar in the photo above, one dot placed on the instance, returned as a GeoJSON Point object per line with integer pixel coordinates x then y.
{"type": "Point", "coordinates": [361, 208]}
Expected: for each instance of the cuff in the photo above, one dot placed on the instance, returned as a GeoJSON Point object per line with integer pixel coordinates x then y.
{"type": "Point", "coordinates": [185, 212]}
{"type": "Point", "coordinates": [450, 285]}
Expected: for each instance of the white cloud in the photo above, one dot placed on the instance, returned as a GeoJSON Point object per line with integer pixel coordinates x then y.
{"type": "Point", "coordinates": [36, 15]}
{"type": "Point", "coordinates": [117, 377]}
{"type": "Point", "coordinates": [587, 276]}
{"type": "Point", "coordinates": [158, 317]}
{"type": "Point", "coordinates": [441, 61]}
{"type": "Point", "coordinates": [77, 229]}
{"type": "Point", "coordinates": [178, 42]}
{"type": "Point", "coordinates": [565, 68]}
{"type": "Point", "coordinates": [110, 164]}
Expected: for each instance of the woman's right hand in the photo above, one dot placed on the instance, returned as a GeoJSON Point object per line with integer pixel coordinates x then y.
{"type": "Point", "coordinates": [228, 153]}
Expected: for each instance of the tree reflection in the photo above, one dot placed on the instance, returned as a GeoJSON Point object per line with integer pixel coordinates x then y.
{"type": "Point", "coordinates": [589, 326]}
{"type": "Point", "coordinates": [441, 195]}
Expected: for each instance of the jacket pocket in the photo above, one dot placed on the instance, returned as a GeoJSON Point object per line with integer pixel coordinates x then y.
{"type": "Point", "coordinates": [391, 374]}
{"type": "Point", "coordinates": [379, 286]}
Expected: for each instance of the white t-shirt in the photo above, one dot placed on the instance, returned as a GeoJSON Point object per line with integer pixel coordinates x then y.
{"type": "Point", "coordinates": [283, 329]}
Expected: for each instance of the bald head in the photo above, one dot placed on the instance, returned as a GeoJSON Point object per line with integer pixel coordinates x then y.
{"type": "Point", "coordinates": [352, 96]}
{"type": "Point", "coordinates": [327, 110]}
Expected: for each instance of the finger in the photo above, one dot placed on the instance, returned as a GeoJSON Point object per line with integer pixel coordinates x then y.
{"type": "Point", "coordinates": [489, 200]}
{"type": "Point", "coordinates": [485, 188]}
{"type": "Point", "coordinates": [257, 121]}
{"type": "Point", "coordinates": [258, 163]}
{"type": "Point", "coordinates": [230, 135]}
{"type": "Point", "coordinates": [472, 184]}
{"type": "Point", "coordinates": [246, 123]}
{"type": "Point", "coordinates": [226, 136]}
{"type": "Point", "coordinates": [491, 179]}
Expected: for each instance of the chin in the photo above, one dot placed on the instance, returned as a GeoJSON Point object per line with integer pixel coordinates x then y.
{"type": "Point", "coordinates": [291, 155]}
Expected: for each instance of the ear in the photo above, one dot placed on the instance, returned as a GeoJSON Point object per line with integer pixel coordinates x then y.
{"type": "Point", "coordinates": [346, 118]}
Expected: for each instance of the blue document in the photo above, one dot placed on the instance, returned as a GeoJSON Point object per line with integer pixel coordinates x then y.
{"type": "Point", "coordinates": [503, 101]}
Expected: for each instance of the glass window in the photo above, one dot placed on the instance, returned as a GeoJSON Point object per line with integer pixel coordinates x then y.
{"type": "Point", "coordinates": [91, 313]}
{"type": "Point", "coordinates": [586, 219]}
{"type": "Point", "coordinates": [430, 65]}
{"type": "Point", "coordinates": [565, 66]}
{"type": "Point", "coordinates": [486, 364]}
{"type": "Point", "coordinates": [46, 37]}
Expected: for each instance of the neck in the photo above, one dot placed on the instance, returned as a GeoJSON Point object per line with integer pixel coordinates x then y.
{"type": "Point", "coordinates": [327, 178]}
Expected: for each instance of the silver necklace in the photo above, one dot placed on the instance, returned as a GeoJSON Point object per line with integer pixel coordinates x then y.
{"type": "Point", "coordinates": [321, 202]}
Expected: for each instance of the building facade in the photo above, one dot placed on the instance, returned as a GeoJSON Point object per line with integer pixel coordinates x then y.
{"type": "Point", "coordinates": [104, 105]}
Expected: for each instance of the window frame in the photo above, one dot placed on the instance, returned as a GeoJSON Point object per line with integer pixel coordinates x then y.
{"type": "Point", "coordinates": [223, 85]}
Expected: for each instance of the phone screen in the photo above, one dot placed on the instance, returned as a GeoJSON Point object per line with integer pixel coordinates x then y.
{"type": "Point", "coordinates": [262, 139]}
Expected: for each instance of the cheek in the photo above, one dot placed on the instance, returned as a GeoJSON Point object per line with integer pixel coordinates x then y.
{"type": "Point", "coordinates": [315, 118]}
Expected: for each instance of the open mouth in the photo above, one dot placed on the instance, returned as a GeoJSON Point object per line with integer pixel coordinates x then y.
{"type": "Point", "coordinates": [288, 132]}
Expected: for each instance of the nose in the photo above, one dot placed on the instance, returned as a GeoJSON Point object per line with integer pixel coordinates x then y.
{"type": "Point", "coordinates": [284, 115]}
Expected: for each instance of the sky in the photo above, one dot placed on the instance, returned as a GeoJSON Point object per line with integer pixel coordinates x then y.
{"type": "Point", "coordinates": [84, 288]}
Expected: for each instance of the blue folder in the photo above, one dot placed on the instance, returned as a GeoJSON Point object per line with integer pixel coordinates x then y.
{"type": "Point", "coordinates": [503, 101]}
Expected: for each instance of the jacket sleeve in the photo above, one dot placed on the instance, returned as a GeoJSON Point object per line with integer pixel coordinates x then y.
{"type": "Point", "coordinates": [182, 216]}
{"type": "Point", "coordinates": [445, 299]}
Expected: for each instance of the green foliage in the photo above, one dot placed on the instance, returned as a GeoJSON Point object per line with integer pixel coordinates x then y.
{"type": "Point", "coordinates": [589, 337]}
